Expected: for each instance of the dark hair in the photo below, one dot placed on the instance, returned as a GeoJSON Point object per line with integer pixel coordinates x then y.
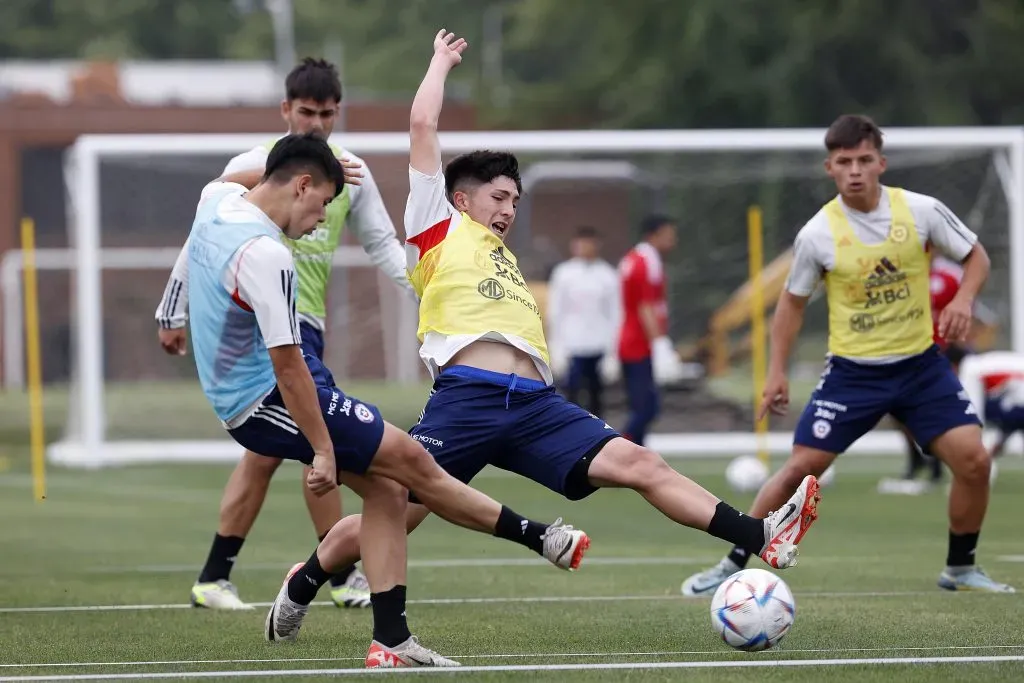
{"type": "Point", "coordinates": [654, 222]}
{"type": "Point", "coordinates": [293, 155]}
{"type": "Point", "coordinates": [587, 232]}
{"type": "Point", "coordinates": [479, 168]}
{"type": "Point", "coordinates": [849, 130]}
{"type": "Point", "coordinates": [313, 79]}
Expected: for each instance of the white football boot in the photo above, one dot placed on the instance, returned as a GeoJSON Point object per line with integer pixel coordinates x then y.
{"type": "Point", "coordinates": [783, 530]}
{"type": "Point", "coordinates": [409, 653]}
{"type": "Point", "coordinates": [220, 594]}
{"type": "Point", "coordinates": [285, 617]}
{"type": "Point", "coordinates": [564, 546]}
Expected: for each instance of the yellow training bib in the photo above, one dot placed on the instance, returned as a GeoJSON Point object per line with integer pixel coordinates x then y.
{"type": "Point", "coordinates": [879, 300]}
{"type": "Point", "coordinates": [470, 284]}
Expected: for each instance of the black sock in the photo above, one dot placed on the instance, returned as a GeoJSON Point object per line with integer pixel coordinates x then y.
{"type": "Point", "coordinates": [221, 559]}
{"type": "Point", "coordinates": [731, 525]}
{"type": "Point", "coordinates": [305, 583]}
{"type": "Point", "coordinates": [513, 527]}
{"type": "Point", "coordinates": [389, 626]}
{"type": "Point", "coordinates": [739, 556]}
{"type": "Point", "coordinates": [961, 550]}
{"type": "Point", "coordinates": [342, 575]}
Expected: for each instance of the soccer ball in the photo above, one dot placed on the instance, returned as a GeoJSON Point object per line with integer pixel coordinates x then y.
{"type": "Point", "coordinates": [746, 473]}
{"type": "Point", "coordinates": [752, 610]}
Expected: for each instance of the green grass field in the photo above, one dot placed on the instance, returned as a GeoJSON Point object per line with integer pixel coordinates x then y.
{"type": "Point", "coordinates": [94, 585]}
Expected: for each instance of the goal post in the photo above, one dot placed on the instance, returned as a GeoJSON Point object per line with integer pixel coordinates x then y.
{"type": "Point", "coordinates": [91, 446]}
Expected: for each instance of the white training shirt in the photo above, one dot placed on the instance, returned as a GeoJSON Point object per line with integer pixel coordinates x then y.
{"type": "Point", "coordinates": [246, 279]}
{"type": "Point", "coordinates": [428, 208]}
{"type": "Point", "coordinates": [814, 248]}
{"type": "Point", "coordinates": [584, 307]}
{"type": "Point", "coordinates": [367, 217]}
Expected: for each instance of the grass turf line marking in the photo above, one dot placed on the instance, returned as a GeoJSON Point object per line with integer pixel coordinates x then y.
{"type": "Point", "coordinates": [460, 601]}
{"type": "Point", "coordinates": [470, 563]}
{"type": "Point", "coordinates": [674, 653]}
{"type": "Point", "coordinates": [636, 666]}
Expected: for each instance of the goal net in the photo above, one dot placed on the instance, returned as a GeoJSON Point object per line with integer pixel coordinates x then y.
{"type": "Point", "coordinates": [132, 200]}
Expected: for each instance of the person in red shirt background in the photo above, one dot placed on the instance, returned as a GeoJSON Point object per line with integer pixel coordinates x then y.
{"type": "Point", "coordinates": [945, 282]}
{"type": "Point", "coordinates": [644, 332]}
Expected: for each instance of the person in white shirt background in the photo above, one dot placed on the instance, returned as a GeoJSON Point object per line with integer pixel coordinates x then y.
{"type": "Point", "coordinates": [584, 312]}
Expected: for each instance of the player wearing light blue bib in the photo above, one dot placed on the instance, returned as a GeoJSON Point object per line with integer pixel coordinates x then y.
{"type": "Point", "coordinates": [313, 94]}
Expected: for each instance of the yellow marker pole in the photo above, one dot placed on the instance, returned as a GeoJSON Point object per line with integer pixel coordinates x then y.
{"type": "Point", "coordinates": [35, 374]}
{"type": "Point", "coordinates": [758, 338]}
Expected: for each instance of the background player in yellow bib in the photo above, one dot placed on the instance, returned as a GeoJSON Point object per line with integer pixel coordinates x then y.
{"type": "Point", "coordinates": [493, 402]}
{"type": "Point", "coordinates": [869, 245]}
{"type": "Point", "coordinates": [312, 97]}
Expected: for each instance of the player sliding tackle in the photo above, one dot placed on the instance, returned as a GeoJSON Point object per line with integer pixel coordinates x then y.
{"type": "Point", "coordinates": [869, 244]}
{"type": "Point", "coordinates": [274, 401]}
{"type": "Point", "coordinates": [493, 402]}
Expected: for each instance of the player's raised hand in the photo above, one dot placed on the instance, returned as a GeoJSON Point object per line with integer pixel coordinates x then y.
{"type": "Point", "coordinates": [449, 48]}
{"type": "Point", "coordinates": [172, 341]}
{"type": "Point", "coordinates": [955, 320]}
{"type": "Point", "coordinates": [353, 171]}
{"type": "Point", "coordinates": [323, 477]}
{"type": "Point", "coordinates": [775, 398]}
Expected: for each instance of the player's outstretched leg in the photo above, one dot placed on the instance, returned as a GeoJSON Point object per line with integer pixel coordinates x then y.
{"type": "Point", "coordinates": [408, 463]}
{"type": "Point", "coordinates": [805, 462]}
{"type": "Point", "coordinates": [774, 536]}
{"type": "Point", "coordinates": [962, 450]}
{"type": "Point", "coordinates": [402, 462]}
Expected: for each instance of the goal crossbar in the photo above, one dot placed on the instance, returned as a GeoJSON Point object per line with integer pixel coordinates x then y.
{"type": "Point", "coordinates": [83, 169]}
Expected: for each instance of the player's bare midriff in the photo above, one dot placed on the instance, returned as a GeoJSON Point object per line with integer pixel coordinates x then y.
{"type": "Point", "coordinates": [497, 357]}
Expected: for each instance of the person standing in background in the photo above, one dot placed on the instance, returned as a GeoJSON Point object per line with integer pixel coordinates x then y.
{"type": "Point", "coordinates": [644, 335]}
{"type": "Point", "coordinates": [584, 312]}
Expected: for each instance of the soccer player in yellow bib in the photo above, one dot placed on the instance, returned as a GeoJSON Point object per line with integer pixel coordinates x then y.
{"type": "Point", "coordinates": [482, 336]}
{"type": "Point", "coordinates": [869, 245]}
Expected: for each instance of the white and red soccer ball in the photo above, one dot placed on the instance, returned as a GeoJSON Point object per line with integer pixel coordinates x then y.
{"type": "Point", "coordinates": [752, 610]}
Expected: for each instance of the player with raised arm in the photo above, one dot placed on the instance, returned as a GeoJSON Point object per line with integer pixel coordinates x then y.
{"type": "Point", "coordinates": [869, 244]}
{"type": "Point", "coordinates": [493, 402]}
{"type": "Point", "coordinates": [312, 98]}
{"type": "Point", "coordinates": [274, 400]}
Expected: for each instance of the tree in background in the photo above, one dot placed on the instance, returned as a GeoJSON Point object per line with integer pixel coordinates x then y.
{"type": "Point", "coordinates": [653, 63]}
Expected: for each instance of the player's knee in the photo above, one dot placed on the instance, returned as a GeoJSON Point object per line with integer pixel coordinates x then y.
{"type": "Point", "coordinates": [415, 462]}
{"type": "Point", "coordinates": [974, 466]}
{"type": "Point", "coordinates": [637, 467]}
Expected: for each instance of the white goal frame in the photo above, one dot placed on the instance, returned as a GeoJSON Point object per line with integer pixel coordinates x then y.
{"type": "Point", "coordinates": [82, 165]}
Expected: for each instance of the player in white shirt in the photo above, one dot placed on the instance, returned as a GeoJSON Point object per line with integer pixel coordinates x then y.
{"type": "Point", "coordinates": [583, 314]}
{"type": "Point", "coordinates": [274, 399]}
{"type": "Point", "coordinates": [312, 96]}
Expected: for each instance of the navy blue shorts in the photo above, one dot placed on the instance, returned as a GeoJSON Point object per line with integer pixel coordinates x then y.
{"type": "Point", "coordinates": [476, 418]}
{"type": "Point", "coordinates": [922, 392]}
{"type": "Point", "coordinates": [356, 427]}
{"type": "Point", "coordinates": [312, 341]}
{"type": "Point", "coordinates": [1006, 417]}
